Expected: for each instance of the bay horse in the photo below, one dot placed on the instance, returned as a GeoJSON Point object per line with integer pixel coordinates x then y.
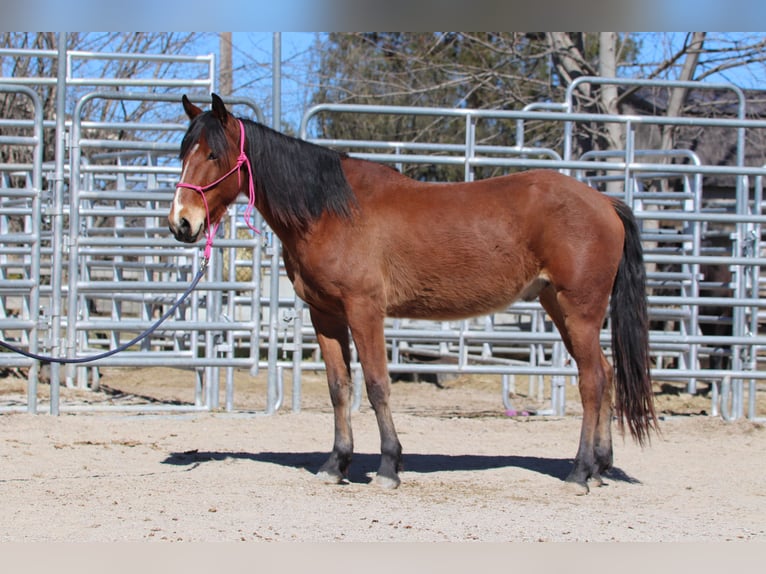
{"type": "Point", "coordinates": [362, 242]}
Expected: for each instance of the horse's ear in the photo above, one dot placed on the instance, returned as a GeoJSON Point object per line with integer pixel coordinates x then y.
{"type": "Point", "coordinates": [219, 108]}
{"type": "Point", "coordinates": [191, 110]}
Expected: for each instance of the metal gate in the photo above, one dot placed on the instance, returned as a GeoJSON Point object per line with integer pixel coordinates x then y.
{"type": "Point", "coordinates": [104, 243]}
{"type": "Point", "coordinates": [86, 261]}
{"type": "Point", "coordinates": [22, 235]}
{"type": "Point", "coordinates": [677, 226]}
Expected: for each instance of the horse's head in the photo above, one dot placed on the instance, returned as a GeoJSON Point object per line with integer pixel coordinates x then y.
{"type": "Point", "coordinates": [209, 151]}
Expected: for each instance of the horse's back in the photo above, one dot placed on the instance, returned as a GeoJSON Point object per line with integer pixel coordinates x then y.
{"type": "Point", "coordinates": [533, 197]}
{"type": "Point", "coordinates": [517, 219]}
{"type": "Point", "coordinates": [463, 249]}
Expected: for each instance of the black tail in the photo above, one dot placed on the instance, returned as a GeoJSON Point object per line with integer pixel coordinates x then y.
{"type": "Point", "coordinates": [634, 400]}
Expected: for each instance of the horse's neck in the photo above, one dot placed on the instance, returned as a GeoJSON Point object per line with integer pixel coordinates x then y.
{"type": "Point", "coordinates": [285, 234]}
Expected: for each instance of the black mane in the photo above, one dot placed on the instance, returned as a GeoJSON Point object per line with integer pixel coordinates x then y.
{"type": "Point", "coordinates": [298, 180]}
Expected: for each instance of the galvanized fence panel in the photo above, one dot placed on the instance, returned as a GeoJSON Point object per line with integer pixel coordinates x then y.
{"type": "Point", "coordinates": [199, 70]}
{"type": "Point", "coordinates": [677, 225]}
{"type": "Point", "coordinates": [123, 268]}
{"type": "Point", "coordinates": [21, 230]}
{"type": "Point", "coordinates": [47, 242]}
{"type": "Point", "coordinates": [108, 263]}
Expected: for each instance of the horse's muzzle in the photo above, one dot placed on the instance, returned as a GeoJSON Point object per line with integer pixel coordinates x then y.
{"type": "Point", "coordinates": [183, 231]}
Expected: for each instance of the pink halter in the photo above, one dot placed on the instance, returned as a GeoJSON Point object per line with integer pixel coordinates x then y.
{"type": "Point", "coordinates": [242, 159]}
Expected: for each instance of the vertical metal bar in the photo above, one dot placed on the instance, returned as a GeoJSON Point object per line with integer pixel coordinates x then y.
{"type": "Point", "coordinates": [73, 272]}
{"type": "Point", "coordinates": [255, 301]}
{"type": "Point", "coordinates": [231, 312]}
{"type": "Point", "coordinates": [58, 223]}
{"type": "Point", "coordinates": [199, 399]}
{"type": "Point", "coordinates": [568, 127]}
{"type": "Point", "coordinates": [470, 146]}
{"type": "Point", "coordinates": [519, 133]}
{"type": "Point", "coordinates": [34, 296]}
{"type": "Point", "coordinates": [299, 305]}
{"type": "Point", "coordinates": [297, 354]}
{"type": "Point", "coordinates": [694, 268]}
{"type": "Point", "coordinates": [273, 374]}
{"type": "Point", "coordinates": [272, 392]}
{"type": "Point", "coordinates": [558, 382]}
{"type": "Point", "coordinates": [755, 287]}
{"type": "Point", "coordinates": [211, 73]}
{"type": "Point", "coordinates": [212, 338]}
{"type": "Point", "coordinates": [629, 181]}
{"type": "Point", "coordinates": [740, 247]}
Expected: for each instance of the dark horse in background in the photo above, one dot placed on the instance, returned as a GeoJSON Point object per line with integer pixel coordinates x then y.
{"type": "Point", "coordinates": [362, 242]}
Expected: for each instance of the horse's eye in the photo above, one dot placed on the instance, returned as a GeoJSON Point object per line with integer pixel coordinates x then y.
{"type": "Point", "coordinates": [212, 156]}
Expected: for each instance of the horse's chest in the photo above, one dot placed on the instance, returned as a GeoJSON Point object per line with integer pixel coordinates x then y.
{"type": "Point", "coordinates": [318, 294]}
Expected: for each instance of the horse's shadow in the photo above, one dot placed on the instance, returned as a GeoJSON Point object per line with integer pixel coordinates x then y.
{"type": "Point", "coordinates": [365, 464]}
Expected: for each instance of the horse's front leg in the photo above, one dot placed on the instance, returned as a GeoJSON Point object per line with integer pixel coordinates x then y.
{"type": "Point", "coordinates": [367, 330]}
{"type": "Point", "coordinates": [333, 338]}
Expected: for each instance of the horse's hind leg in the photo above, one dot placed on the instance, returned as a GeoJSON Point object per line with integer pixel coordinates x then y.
{"type": "Point", "coordinates": [333, 338]}
{"type": "Point", "coordinates": [579, 325]}
{"type": "Point", "coordinates": [603, 445]}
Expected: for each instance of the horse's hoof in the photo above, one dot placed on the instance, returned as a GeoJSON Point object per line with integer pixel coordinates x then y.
{"type": "Point", "coordinates": [576, 488]}
{"type": "Point", "coordinates": [596, 480]}
{"type": "Point", "coordinates": [386, 482]}
{"type": "Point", "coordinates": [328, 477]}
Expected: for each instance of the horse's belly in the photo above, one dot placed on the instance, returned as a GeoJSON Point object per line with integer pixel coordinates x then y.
{"type": "Point", "coordinates": [462, 299]}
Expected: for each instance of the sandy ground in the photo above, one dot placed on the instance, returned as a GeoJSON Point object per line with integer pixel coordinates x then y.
{"type": "Point", "coordinates": [472, 473]}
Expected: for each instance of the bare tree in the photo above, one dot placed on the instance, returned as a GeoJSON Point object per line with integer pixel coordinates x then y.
{"type": "Point", "coordinates": [693, 49]}
{"type": "Point", "coordinates": [226, 73]}
{"type": "Point", "coordinates": [474, 70]}
{"type": "Point", "coordinates": [40, 65]}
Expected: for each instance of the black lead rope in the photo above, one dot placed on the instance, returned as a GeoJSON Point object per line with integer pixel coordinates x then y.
{"type": "Point", "coordinates": [141, 337]}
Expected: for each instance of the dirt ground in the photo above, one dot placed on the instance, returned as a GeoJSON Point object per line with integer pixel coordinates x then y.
{"type": "Point", "coordinates": [472, 473]}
